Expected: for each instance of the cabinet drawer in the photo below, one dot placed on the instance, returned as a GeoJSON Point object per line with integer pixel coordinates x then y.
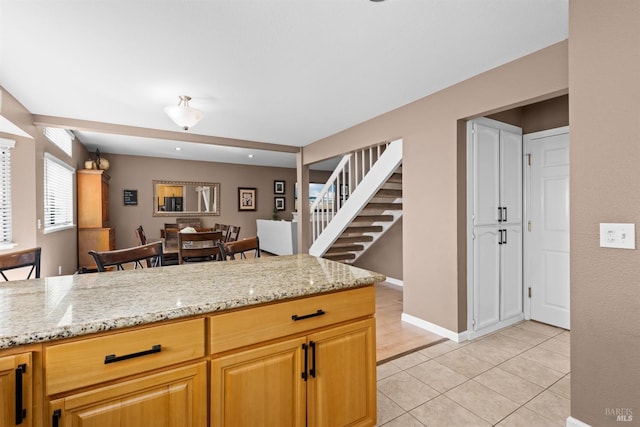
{"type": "Point", "coordinates": [95, 360]}
{"type": "Point", "coordinates": [257, 324]}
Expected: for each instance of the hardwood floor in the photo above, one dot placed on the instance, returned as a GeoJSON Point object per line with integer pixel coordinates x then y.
{"type": "Point", "coordinates": [394, 337]}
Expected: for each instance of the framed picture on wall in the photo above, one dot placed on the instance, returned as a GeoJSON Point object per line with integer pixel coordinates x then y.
{"type": "Point", "coordinates": [279, 203]}
{"type": "Point", "coordinates": [278, 187]}
{"type": "Point", "coordinates": [247, 199]}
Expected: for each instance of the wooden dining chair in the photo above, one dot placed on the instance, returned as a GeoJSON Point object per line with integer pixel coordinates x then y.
{"type": "Point", "coordinates": [20, 259]}
{"type": "Point", "coordinates": [232, 233]}
{"type": "Point", "coordinates": [199, 246]}
{"type": "Point", "coordinates": [239, 247]}
{"type": "Point", "coordinates": [120, 257]}
{"type": "Point", "coordinates": [142, 238]}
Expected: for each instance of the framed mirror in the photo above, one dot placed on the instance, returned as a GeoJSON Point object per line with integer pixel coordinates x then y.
{"type": "Point", "coordinates": [182, 198]}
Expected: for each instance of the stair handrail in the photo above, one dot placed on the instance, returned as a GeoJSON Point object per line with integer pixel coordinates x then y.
{"type": "Point", "coordinates": [345, 178]}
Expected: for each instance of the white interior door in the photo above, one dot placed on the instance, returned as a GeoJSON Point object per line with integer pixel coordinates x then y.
{"type": "Point", "coordinates": [547, 236]}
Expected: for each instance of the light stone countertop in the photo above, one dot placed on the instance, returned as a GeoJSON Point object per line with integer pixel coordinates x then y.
{"type": "Point", "coordinates": [33, 311]}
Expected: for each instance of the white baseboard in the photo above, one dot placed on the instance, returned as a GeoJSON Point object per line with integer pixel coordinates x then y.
{"type": "Point", "coordinates": [431, 327]}
{"type": "Point", "coordinates": [572, 422]}
{"type": "Point", "coordinates": [393, 281]}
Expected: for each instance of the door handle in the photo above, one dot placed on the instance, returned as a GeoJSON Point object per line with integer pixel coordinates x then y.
{"type": "Point", "coordinates": [21, 413]}
{"type": "Point", "coordinates": [499, 214]}
{"type": "Point", "coordinates": [505, 236]}
{"type": "Point", "coordinates": [306, 363]}
{"type": "Point", "coordinates": [505, 215]}
{"type": "Point", "coordinates": [312, 372]}
{"type": "Point", "coordinates": [55, 418]}
{"type": "Point", "coordinates": [500, 239]}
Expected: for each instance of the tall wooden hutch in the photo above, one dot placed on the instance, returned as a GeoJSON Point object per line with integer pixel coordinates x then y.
{"type": "Point", "coordinates": [94, 232]}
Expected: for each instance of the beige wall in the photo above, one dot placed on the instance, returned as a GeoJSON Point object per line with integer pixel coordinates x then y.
{"type": "Point", "coordinates": [27, 172]}
{"type": "Point", "coordinates": [137, 173]}
{"type": "Point", "coordinates": [385, 255]}
{"type": "Point", "coordinates": [434, 278]}
{"type": "Point", "coordinates": [604, 73]}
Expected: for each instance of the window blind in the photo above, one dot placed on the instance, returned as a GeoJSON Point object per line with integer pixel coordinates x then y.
{"type": "Point", "coordinates": [60, 137]}
{"type": "Point", "coordinates": [58, 193]}
{"type": "Point", "coordinates": [5, 191]}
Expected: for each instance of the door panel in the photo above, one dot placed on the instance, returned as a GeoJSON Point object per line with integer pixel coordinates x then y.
{"type": "Point", "coordinates": [486, 178]}
{"type": "Point", "coordinates": [486, 271]}
{"type": "Point", "coordinates": [511, 176]}
{"type": "Point", "coordinates": [511, 273]}
{"type": "Point", "coordinates": [548, 240]}
{"type": "Point", "coordinates": [260, 387]}
{"type": "Point", "coordinates": [335, 390]}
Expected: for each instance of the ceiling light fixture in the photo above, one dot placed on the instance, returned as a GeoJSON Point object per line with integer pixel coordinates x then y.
{"type": "Point", "coordinates": [182, 114]}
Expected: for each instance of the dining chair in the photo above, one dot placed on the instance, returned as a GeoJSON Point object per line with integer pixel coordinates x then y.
{"type": "Point", "coordinates": [142, 238]}
{"type": "Point", "coordinates": [120, 257]}
{"type": "Point", "coordinates": [25, 258]}
{"type": "Point", "coordinates": [240, 247]}
{"type": "Point", "coordinates": [224, 228]}
{"type": "Point", "coordinates": [199, 246]}
{"type": "Point", "coordinates": [232, 233]}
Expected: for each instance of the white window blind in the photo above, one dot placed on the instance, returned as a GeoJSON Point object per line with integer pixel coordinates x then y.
{"type": "Point", "coordinates": [5, 191]}
{"type": "Point", "coordinates": [58, 194]}
{"type": "Point", "coordinates": [60, 137]}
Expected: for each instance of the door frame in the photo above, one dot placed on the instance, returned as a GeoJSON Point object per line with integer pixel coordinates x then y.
{"type": "Point", "coordinates": [527, 140]}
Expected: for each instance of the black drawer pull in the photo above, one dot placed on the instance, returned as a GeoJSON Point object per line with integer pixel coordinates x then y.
{"type": "Point", "coordinates": [305, 374]}
{"type": "Point", "coordinates": [295, 317]}
{"type": "Point", "coordinates": [113, 358]}
{"type": "Point", "coordinates": [21, 413]}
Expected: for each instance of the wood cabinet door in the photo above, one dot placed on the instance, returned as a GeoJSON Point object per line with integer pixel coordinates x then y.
{"type": "Point", "coordinates": [176, 398]}
{"type": "Point", "coordinates": [262, 386]}
{"type": "Point", "coordinates": [11, 381]}
{"type": "Point", "coordinates": [342, 383]}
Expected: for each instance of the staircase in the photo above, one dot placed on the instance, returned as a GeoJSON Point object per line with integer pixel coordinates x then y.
{"type": "Point", "coordinates": [361, 200]}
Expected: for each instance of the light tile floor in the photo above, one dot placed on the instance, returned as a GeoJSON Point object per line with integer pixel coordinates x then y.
{"type": "Point", "coordinates": [518, 376]}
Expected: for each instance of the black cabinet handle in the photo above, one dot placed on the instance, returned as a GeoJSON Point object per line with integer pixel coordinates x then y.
{"type": "Point", "coordinates": [306, 358]}
{"type": "Point", "coordinates": [505, 214]}
{"type": "Point", "coordinates": [505, 236]}
{"type": "Point", "coordinates": [312, 372]}
{"type": "Point", "coordinates": [112, 358]}
{"type": "Point", "coordinates": [499, 214]}
{"type": "Point", "coordinates": [55, 418]}
{"type": "Point", "coordinates": [295, 317]}
{"type": "Point", "coordinates": [21, 413]}
{"type": "Point", "coordinates": [500, 239]}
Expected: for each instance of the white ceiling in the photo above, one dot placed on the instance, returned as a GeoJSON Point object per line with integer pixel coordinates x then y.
{"type": "Point", "coordinates": [284, 72]}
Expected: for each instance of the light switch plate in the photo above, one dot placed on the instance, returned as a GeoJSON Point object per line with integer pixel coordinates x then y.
{"type": "Point", "coordinates": [615, 235]}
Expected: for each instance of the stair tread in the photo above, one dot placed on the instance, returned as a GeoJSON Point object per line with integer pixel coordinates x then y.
{"type": "Point", "coordinates": [363, 229]}
{"type": "Point", "coordinates": [344, 249]}
{"type": "Point", "coordinates": [354, 239]}
{"type": "Point", "coordinates": [373, 218]}
{"type": "Point", "coordinates": [337, 257]}
{"type": "Point", "coordinates": [383, 206]}
{"type": "Point", "coordinates": [389, 192]}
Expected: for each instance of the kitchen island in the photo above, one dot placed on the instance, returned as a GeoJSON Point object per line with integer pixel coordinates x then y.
{"type": "Point", "coordinates": [272, 341]}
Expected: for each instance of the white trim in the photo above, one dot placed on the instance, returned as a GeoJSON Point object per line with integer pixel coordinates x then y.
{"type": "Point", "coordinates": [51, 157]}
{"type": "Point", "coordinates": [572, 422]}
{"type": "Point", "coordinates": [431, 327]}
{"type": "Point", "coordinates": [393, 281]}
{"type": "Point", "coordinates": [7, 143]}
{"type": "Point", "coordinates": [496, 124]}
{"type": "Point", "coordinates": [547, 133]}
{"type": "Point", "coordinates": [56, 228]}
{"type": "Point", "coordinates": [7, 126]}
{"type": "Point", "coordinates": [7, 245]}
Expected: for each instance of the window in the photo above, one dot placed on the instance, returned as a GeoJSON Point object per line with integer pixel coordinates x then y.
{"type": "Point", "coordinates": [60, 137]}
{"type": "Point", "coordinates": [5, 193]}
{"type": "Point", "coordinates": [58, 194]}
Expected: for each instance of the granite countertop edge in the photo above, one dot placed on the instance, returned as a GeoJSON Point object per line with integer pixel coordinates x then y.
{"type": "Point", "coordinates": [170, 313]}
